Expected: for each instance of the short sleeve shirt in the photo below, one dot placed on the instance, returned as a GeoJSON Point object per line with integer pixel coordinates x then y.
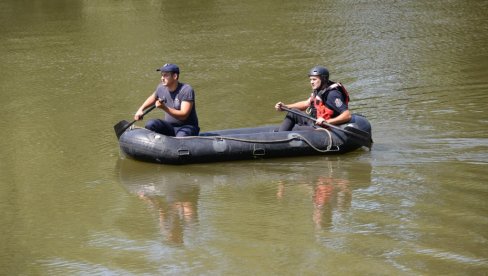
{"type": "Point", "coordinates": [335, 101]}
{"type": "Point", "coordinates": [183, 92]}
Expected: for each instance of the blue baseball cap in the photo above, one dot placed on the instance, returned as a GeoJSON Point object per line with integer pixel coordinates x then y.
{"type": "Point", "coordinates": [169, 67]}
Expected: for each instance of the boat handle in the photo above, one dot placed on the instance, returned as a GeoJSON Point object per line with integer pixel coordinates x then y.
{"type": "Point", "coordinates": [258, 151]}
{"type": "Point", "coordinates": [183, 152]}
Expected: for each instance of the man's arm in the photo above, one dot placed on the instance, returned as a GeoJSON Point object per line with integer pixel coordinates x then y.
{"type": "Point", "coordinates": [302, 105]}
{"type": "Point", "coordinates": [180, 114]}
{"type": "Point", "coordinates": [147, 103]}
{"type": "Point", "coordinates": [343, 118]}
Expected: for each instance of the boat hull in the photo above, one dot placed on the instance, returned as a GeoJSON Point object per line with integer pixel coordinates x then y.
{"type": "Point", "coordinates": [239, 144]}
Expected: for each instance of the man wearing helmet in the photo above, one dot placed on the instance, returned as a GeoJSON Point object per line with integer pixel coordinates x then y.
{"type": "Point", "coordinates": [328, 102]}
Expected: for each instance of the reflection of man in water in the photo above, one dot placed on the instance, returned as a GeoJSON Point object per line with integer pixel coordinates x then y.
{"type": "Point", "coordinates": [177, 210]}
{"type": "Point", "coordinates": [329, 193]}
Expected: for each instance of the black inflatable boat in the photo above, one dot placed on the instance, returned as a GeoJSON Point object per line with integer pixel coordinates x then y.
{"type": "Point", "coordinates": [245, 143]}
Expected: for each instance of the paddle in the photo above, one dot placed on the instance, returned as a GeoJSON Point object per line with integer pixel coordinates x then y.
{"type": "Point", "coordinates": [123, 125]}
{"type": "Point", "coordinates": [363, 136]}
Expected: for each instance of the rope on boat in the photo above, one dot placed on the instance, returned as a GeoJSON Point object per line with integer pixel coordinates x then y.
{"type": "Point", "coordinates": [329, 146]}
{"type": "Point", "coordinates": [298, 136]}
{"type": "Point", "coordinates": [239, 139]}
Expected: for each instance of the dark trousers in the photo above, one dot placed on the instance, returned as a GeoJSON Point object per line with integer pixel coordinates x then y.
{"type": "Point", "coordinates": [291, 119]}
{"type": "Point", "coordinates": [165, 128]}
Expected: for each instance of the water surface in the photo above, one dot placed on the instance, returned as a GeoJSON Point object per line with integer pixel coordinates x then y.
{"type": "Point", "coordinates": [415, 204]}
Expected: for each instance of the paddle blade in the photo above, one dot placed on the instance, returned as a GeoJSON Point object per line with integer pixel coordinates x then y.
{"type": "Point", "coordinates": [121, 127]}
{"type": "Point", "coordinates": [363, 137]}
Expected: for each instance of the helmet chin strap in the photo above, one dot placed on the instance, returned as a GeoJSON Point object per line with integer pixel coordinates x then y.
{"type": "Point", "coordinates": [323, 82]}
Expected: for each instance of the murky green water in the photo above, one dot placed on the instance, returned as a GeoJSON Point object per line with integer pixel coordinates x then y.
{"type": "Point", "coordinates": [416, 204]}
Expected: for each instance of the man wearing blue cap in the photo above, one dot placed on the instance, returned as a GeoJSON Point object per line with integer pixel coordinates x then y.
{"type": "Point", "coordinates": [178, 102]}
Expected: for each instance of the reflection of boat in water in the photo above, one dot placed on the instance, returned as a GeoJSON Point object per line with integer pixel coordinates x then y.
{"type": "Point", "coordinates": [173, 196]}
{"type": "Point", "coordinates": [174, 192]}
{"type": "Point", "coordinates": [152, 178]}
{"type": "Point", "coordinates": [245, 143]}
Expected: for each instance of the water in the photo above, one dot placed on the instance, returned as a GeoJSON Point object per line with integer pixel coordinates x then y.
{"type": "Point", "coordinates": [415, 204]}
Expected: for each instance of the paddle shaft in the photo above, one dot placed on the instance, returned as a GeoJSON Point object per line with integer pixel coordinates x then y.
{"type": "Point", "coordinates": [324, 123]}
{"type": "Point", "coordinates": [120, 129]}
{"type": "Point", "coordinates": [145, 112]}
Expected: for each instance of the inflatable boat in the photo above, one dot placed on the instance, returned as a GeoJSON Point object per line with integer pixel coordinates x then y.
{"type": "Point", "coordinates": [244, 143]}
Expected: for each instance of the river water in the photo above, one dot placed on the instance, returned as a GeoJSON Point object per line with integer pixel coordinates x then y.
{"type": "Point", "coordinates": [415, 204]}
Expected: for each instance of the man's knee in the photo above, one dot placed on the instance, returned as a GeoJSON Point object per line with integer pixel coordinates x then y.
{"type": "Point", "coordinates": [152, 124]}
{"type": "Point", "coordinates": [186, 131]}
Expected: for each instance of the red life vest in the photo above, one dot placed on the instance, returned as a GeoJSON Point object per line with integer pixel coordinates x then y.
{"type": "Point", "coordinates": [318, 99]}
